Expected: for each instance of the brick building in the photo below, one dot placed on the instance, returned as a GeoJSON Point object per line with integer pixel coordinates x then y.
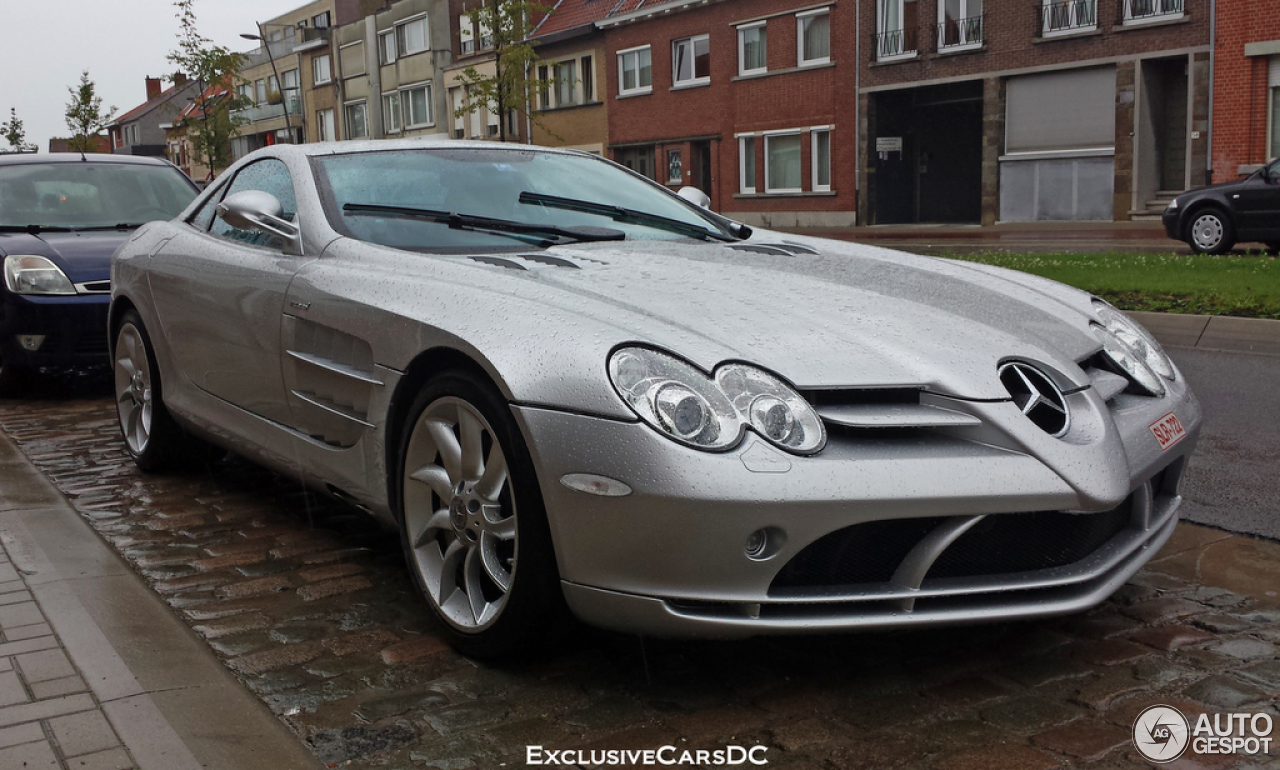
{"type": "Point", "coordinates": [1087, 109]}
{"type": "Point", "coordinates": [140, 131]}
{"type": "Point", "coordinates": [750, 101]}
{"type": "Point", "coordinates": [1246, 94]}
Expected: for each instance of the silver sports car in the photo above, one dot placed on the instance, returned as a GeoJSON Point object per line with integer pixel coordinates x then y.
{"type": "Point", "coordinates": [566, 386]}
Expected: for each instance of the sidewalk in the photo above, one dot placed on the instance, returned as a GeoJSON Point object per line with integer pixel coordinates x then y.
{"type": "Point", "coordinates": [1213, 332]}
{"type": "Point", "coordinates": [95, 671]}
{"type": "Point", "coordinates": [1012, 236]}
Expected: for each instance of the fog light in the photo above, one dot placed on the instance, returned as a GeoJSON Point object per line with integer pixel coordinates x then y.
{"type": "Point", "coordinates": [31, 342]}
{"type": "Point", "coordinates": [756, 543]}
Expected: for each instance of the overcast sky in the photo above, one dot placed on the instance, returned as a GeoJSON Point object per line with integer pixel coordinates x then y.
{"type": "Point", "coordinates": [44, 45]}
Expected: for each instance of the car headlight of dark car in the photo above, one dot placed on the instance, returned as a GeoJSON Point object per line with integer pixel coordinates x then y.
{"type": "Point", "coordinates": [1173, 205]}
{"type": "Point", "coordinates": [24, 274]}
{"type": "Point", "coordinates": [1133, 349]}
{"type": "Point", "coordinates": [712, 412]}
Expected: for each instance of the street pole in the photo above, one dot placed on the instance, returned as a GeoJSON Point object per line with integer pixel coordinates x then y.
{"type": "Point", "coordinates": [284, 99]}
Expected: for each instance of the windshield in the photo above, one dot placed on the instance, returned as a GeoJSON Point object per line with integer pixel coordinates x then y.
{"type": "Point", "coordinates": [69, 195]}
{"type": "Point", "coordinates": [488, 182]}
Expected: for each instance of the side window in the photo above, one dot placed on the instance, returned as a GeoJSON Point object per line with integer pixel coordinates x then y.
{"type": "Point", "coordinates": [269, 176]}
{"type": "Point", "coordinates": [204, 215]}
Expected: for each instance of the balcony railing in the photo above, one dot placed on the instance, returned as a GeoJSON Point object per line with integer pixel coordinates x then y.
{"type": "Point", "coordinates": [1069, 16]}
{"type": "Point", "coordinates": [957, 33]}
{"type": "Point", "coordinates": [1149, 10]}
{"type": "Point", "coordinates": [271, 111]}
{"type": "Point", "coordinates": [894, 42]}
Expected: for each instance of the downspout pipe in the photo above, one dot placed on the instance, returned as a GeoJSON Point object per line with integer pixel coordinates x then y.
{"type": "Point", "coordinates": [1213, 52]}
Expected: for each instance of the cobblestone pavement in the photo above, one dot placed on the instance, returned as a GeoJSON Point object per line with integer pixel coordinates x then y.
{"type": "Point", "coordinates": [48, 717]}
{"type": "Point", "coordinates": [312, 608]}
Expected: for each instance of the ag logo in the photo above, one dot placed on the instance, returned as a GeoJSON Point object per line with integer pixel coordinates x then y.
{"type": "Point", "coordinates": [1161, 734]}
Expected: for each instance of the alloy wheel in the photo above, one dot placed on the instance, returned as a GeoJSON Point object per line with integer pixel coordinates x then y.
{"type": "Point", "coordinates": [133, 388]}
{"type": "Point", "coordinates": [459, 514]}
{"type": "Point", "coordinates": [1208, 231]}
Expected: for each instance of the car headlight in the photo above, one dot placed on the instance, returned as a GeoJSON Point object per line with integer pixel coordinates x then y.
{"type": "Point", "coordinates": [711, 412]}
{"type": "Point", "coordinates": [1136, 337]}
{"type": "Point", "coordinates": [1173, 205]}
{"type": "Point", "coordinates": [35, 275]}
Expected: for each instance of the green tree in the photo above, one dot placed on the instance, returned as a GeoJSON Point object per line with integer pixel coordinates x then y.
{"type": "Point", "coordinates": [508, 23]}
{"type": "Point", "coordinates": [216, 118]}
{"type": "Point", "coordinates": [15, 134]}
{"type": "Point", "coordinates": [85, 116]}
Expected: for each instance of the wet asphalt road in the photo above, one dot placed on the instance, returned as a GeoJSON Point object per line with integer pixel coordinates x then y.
{"type": "Point", "coordinates": [1234, 478]}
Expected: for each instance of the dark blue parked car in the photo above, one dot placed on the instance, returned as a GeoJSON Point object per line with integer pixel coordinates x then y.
{"type": "Point", "coordinates": [61, 217]}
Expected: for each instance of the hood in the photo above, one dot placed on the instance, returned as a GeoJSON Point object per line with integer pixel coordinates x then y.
{"type": "Point", "coordinates": [1219, 187]}
{"type": "Point", "coordinates": [822, 314]}
{"type": "Point", "coordinates": [84, 256]}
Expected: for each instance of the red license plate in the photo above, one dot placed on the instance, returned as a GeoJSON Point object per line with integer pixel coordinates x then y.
{"type": "Point", "coordinates": [1168, 430]}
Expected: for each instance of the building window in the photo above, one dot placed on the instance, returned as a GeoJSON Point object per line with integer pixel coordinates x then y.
{"type": "Point", "coordinates": [895, 29]}
{"type": "Point", "coordinates": [782, 163]}
{"type": "Point", "coordinates": [747, 164]}
{"type": "Point", "coordinates": [412, 36]}
{"type": "Point", "coordinates": [387, 47]}
{"type": "Point", "coordinates": [320, 71]}
{"type": "Point", "coordinates": [753, 49]}
{"type": "Point", "coordinates": [1275, 123]}
{"type": "Point", "coordinates": [466, 36]}
{"type": "Point", "coordinates": [1138, 11]}
{"type": "Point", "coordinates": [260, 90]}
{"type": "Point", "coordinates": [245, 90]}
{"type": "Point", "coordinates": [821, 159]}
{"type": "Point", "coordinates": [486, 35]}
{"type": "Point", "coordinates": [675, 167]}
{"type": "Point", "coordinates": [566, 83]}
{"type": "Point", "coordinates": [320, 21]}
{"type": "Point", "coordinates": [417, 106]}
{"type": "Point", "coordinates": [357, 121]}
{"type": "Point", "coordinates": [588, 93]}
{"type": "Point", "coordinates": [959, 23]}
{"type": "Point", "coordinates": [324, 126]}
{"type": "Point", "coordinates": [691, 61]}
{"type": "Point", "coordinates": [813, 38]}
{"type": "Point", "coordinates": [635, 72]}
{"type": "Point", "coordinates": [457, 100]}
{"type": "Point", "coordinates": [544, 87]}
{"type": "Point", "coordinates": [391, 112]}
{"type": "Point", "coordinates": [1068, 16]}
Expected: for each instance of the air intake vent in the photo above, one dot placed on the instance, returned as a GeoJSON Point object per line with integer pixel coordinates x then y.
{"type": "Point", "coordinates": [1038, 398]}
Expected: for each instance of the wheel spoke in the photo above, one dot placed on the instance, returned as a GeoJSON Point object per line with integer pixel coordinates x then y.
{"type": "Point", "coordinates": [471, 576]}
{"type": "Point", "coordinates": [503, 529]}
{"type": "Point", "coordinates": [127, 366]}
{"type": "Point", "coordinates": [447, 444]}
{"type": "Point", "coordinates": [435, 477]}
{"type": "Point", "coordinates": [495, 474]}
{"type": "Point", "coordinates": [438, 521]}
{"type": "Point", "coordinates": [471, 433]}
{"type": "Point", "coordinates": [449, 571]}
{"type": "Point", "coordinates": [492, 564]}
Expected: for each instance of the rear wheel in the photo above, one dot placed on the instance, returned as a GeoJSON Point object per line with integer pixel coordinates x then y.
{"type": "Point", "coordinates": [473, 527]}
{"type": "Point", "coordinates": [154, 440]}
{"type": "Point", "coordinates": [1211, 232]}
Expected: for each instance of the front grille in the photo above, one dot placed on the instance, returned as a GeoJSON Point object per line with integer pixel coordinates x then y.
{"type": "Point", "coordinates": [1005, 543]}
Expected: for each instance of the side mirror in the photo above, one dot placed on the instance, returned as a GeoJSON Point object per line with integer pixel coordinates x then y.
{"type": "Point", "coordinates": [257, 210]}
{"type": "Point", "coordinates": [695, 196]}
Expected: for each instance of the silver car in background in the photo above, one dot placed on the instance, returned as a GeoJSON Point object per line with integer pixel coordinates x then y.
{"type": "Point", "coordinates": [566, 386]}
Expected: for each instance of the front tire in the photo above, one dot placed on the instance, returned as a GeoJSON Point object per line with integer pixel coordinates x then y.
{"type": "Point", "coordinates": [153, 439]}
{"type": "Point", "coordinates": [473, 527]}
{"type": "Point", "coordinates": [1211, 232]}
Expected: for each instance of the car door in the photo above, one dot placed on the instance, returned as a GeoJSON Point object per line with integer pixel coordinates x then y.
{"type": "Point", "coordinates": [220, 294]}
{"type": "Point", "coordinates": [1257, 205]}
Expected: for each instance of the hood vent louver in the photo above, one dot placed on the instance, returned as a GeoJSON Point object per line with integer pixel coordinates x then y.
{"type": "Point", "coordinates": [499, 262]}
{"type": "Point", "coordinates": [775, 249]}
{"type": "Point", "coordinates": [532, 261]}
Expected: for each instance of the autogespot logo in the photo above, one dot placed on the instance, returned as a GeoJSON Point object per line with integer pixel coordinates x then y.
{"type": "Point", "coordinates": [1161, 734]}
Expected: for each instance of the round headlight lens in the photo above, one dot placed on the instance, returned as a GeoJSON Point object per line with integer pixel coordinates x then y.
{"type": "Point", "coordinates": [35, 275]}
{"type": "Point", "coordinates": [1138, 339]}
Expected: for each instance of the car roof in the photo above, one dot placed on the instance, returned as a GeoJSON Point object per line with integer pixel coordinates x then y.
{"type": "Point", "coordinates": [313, 149]}
{"type": "Point", "coordinates": [75, 157]}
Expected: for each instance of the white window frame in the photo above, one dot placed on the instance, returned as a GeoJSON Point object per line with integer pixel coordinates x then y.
{"type": "Point", "coordinates": [771, 135]}
{"type": "Point", "coordinates": [387, 53]}
{"type": "Point", "coordinates": [964, 43]}
{"type": "Point", "coordinates": [346, 118]}
{"type": "Point", "coordinates": [692, 42]}
{"type": "Point", "coordinates": [401, 49]}
{"type": "Point", "coordinates": [742, 46]}
{"type": "Point", "coordinates": [404, 104]}
{"type": "Point", "coordinates": [576, 98]}
{"type": "Point", "coordinates": [466, 35]}
{"type": "Point", "coordinates": [800, 20]}
{"type": "Point", "coordinates": [328, 70]}
{"type": "Point", "coordinates": [638, 89]}
{"type": "Point", "coordinates": [1073, 27]}
{"type": "Point", "coordinates": [1126, 10]}
{"type": "Point", "coordinates": [322, 17]}
{"type": "Point", "coordinates": [392, 122]}
{"type": "Point", "coordinates": [881, 30]}
{"type": "Point", "coordinates": [743, 154]}
{"type": "Point", "coordinates": [813, 155]}
{"type": "Point", "coordinates": [322, 135]}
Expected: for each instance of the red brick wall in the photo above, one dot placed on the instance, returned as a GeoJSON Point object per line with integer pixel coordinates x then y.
{"type": "Point", "coordinates": [1240, 85]}
{"type": "Point", "coordinates": [789, 99]}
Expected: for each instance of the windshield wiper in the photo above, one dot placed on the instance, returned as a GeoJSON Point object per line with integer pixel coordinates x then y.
{"type": "Point", "coordinates": [503, 226]}
{"type": "Point", "coordinates": [620, 214]}
{"type": "Point", "coordinates": [119, 226]}
{"type": "Point", "coordinates": [34, 229]}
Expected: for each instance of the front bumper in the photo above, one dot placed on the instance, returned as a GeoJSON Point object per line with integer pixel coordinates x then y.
{"type": "Point", "coordinates": [670, 558]}
{"type": "Point", "coordinates": [1172, 221]}
{"type": "Point", "coordinates": [74, 330]}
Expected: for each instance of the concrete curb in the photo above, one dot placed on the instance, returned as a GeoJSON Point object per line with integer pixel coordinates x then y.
{"type": "Point", "coordinates": [1217, 332]}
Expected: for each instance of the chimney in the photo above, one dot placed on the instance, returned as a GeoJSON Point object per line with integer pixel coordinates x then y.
{"type": "Point", "coordinates": [179, 79]}
{"type": "Point", "coordinates": [153, 88]}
